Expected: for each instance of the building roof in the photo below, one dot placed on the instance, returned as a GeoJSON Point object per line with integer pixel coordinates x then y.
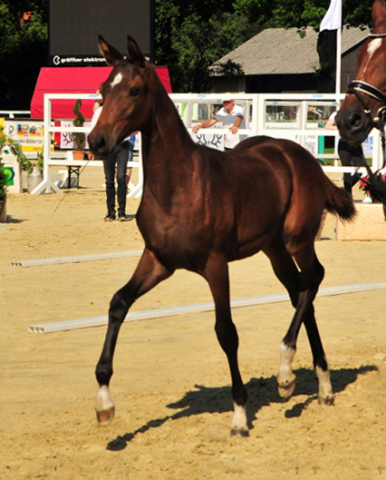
{"type": "Point", "coordinates": [283, 51]}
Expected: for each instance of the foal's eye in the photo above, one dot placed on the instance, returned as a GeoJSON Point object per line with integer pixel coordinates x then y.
{"type": "Point", "coordinates": [134, 92]}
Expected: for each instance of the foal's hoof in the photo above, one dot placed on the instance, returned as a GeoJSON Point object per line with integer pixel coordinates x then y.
{"type": "Point", "coordinates": [329, 400]}
{"type": "Point", "coordinates": [106, 416]}
{"type": "Point", "coordinates": [242, 433]}
{"type": "Point", "coordinates": [285, 391]}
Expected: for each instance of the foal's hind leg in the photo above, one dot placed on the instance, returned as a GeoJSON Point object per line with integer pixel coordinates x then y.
{"type": "Point", "coordinates": [325, 395]}
{"type": "Point", "coordinates": [321, 366]}
{"type": "Point", "coordinates": [288, 274]}
{"type": "Point", "coordinates": [311, 274]}
{"type": "Point", "coordinates": [147, 275]}
{"type": "Point", "coordinates": [302, 288]}
{"type": "Point", "coordinates": [216, 273]}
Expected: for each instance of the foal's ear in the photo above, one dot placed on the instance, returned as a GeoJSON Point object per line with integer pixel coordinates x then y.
{"type": "Point", "coordinates": [379, 16]}
{"type": "Point", "coordinates": [134, 53]}
{"type": "Point", "coordinates": [111, 54]}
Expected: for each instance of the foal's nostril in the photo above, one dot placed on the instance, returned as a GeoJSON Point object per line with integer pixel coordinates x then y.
{"type": "Point", "coordinates": [100, 142]}
{"type": "Point", "coordinates": [96, 141]}
{"type": "Point", "coordinates": [355, 120]}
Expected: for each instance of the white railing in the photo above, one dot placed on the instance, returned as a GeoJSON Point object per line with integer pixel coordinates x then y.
{"type": "Point", "coordinates": [255, 108]}
{"type": "Point", "coordinates": [12, 113]}
{"type": "Point", "coordinates": [303, 130]}
{"type": "Point", "coordinates": [47, 184]}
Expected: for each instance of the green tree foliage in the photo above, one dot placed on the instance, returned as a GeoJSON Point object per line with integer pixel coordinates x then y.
{"type": "Point", "coordinates": [295, 13]}
{"type": "Point", "coordinates": [302, 13]}
{"type": "Point", "coordinates": [191, 36]}
{"type": "Point", "coordinates": [23, 50]}
{"type": "Point", "coordinates": [357, 13]}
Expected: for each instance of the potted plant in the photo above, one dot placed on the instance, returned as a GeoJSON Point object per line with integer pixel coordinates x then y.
{"type": "Point", "coordinates": [3, 180]}
{"type": "Point", "coordinates": [78, 138]}
{"type": "Point", "coordinates": [35, 172]}
{"type": "Point", "coordinates": [33, 176]}
{"type": "Point", "coordinates": [25, 163]}
{"type": "Point", "coordinates": [3, 195]}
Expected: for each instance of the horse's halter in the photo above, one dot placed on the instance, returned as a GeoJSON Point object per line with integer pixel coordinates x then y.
{"type": "Point", "coordinates": [356, 87]}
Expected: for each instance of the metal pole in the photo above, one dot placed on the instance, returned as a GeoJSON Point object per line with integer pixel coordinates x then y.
{"type": "Point", "coordinates": [338, 64]}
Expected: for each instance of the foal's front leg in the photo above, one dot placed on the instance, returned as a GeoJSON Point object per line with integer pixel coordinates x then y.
{"type": "Point", "coordinates": [217, 276]}
{"type": "Point", "coordinates": [147, 275]}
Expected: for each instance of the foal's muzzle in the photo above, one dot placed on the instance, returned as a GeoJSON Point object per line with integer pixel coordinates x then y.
{"type": "Point", "coordinates": [101, 144]}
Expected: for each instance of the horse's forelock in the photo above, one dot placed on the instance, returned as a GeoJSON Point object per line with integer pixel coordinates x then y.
{"type": "Point", "coordinates": [121, 69]}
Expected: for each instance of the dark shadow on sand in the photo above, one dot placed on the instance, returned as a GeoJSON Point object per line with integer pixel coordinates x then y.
{"type": "Point", "coordinates": [261, 391]}
{"type": "Point", "coordinates": [10, 219]}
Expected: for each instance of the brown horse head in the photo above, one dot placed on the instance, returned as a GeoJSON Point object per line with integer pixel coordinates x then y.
{"type": "Point", "coordinates": [125, 98]}
{"type": "Point", "coordinates": [359, 112]}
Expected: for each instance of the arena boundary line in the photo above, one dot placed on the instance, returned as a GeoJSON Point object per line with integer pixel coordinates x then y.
{"type": "Point", "coordinates": [201, 307]}
{"type": "Point", "coordinates": [75, 259]}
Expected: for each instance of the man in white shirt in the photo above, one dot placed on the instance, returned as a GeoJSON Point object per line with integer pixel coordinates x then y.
{"type": "Point", "coordinates": [231, 115]}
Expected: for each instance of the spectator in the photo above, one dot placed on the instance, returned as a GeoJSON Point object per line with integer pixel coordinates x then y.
{"type": "Point", "coordinates": [349, 154]}
{"type": "Point", "coordinates": [232, 116]}
{"type": "Point", "coordinates": [116, 165]}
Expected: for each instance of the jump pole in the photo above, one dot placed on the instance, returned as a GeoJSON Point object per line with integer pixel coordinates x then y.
{"type": "Point", "coordinates": [74, 259]}
{"type": "Point", "coordinates": [200, 307]}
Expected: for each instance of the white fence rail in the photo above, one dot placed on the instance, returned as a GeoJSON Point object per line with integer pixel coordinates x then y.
{"type": "Point", "coordinates": [258, 122]}
{"type": "Point", "coordinates": [15, 113]}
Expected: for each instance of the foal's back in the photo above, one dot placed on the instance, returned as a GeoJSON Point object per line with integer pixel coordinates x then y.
{"type": "Point", "coordinates": [236, 202]}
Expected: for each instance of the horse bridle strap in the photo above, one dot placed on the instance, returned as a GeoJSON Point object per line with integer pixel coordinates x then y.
{"type": "Point", "coordinates": [376, 35]}
{"type": "Point", "coordinates": [379, 121]}
{"type": "Point", "coordinates": [357, 87]}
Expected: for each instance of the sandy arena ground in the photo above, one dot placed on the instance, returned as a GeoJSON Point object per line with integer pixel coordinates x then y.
{"type": "Point", "coordinates": [171, 381]}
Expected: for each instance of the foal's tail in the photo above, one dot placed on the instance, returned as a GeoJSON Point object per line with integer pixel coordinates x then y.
{"type": "Point", "coordinates": [339, 202]}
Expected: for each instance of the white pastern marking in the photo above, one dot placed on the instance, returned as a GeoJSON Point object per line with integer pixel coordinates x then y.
{"type": "Point", "coordinates": [325, 389]}
{"type": "Point", "coordinates": [103, 399]}
{"type": "Point", "coordinates": [118, 79]}
{"type": "Point", "coordinates": [286, 356]}
{"type": "Point", "coordinates": [239, 418]}
{"type": "Point", "coordinates": [286, 376]}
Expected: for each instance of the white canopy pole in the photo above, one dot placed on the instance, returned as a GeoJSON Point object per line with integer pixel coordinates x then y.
{"type": "Point", "coordinates": [338, 64]}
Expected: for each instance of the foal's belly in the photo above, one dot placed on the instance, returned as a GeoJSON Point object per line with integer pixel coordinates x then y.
{"type": "Point", "coordinates": [187, 243]}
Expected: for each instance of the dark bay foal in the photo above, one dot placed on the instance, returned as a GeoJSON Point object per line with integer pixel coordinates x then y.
{"type": "Point", "coordinates": [202, 208]}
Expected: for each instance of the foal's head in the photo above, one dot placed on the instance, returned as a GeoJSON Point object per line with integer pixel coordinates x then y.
{"type": "Point", "coordinates": [356, 117]}
{"type": "Point", "coordinates": [126, 99]}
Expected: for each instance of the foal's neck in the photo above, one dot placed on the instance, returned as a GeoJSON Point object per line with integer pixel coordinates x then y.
{"type": "Point", "coordinates": [167, 145]}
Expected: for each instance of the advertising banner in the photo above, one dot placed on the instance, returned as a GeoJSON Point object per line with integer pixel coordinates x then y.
{"type": "Point", "coordinates": [28, 133]}
{"type": "Point", "coordinates": [212, 140]}
{"type": "Point", "coordinates": [11, 169]}
{"type": "Point", "coordinates": [65, 137]}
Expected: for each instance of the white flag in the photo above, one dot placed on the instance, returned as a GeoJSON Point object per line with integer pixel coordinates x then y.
{"type": "Point", "coordinates": [333, 18]}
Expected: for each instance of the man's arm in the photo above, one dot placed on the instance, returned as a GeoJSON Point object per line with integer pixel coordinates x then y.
{"type": "Point", "coordinates": [235, 128]}
{"type": "Point", "coordinates": [205, 124]}
{"type": "Point", "coordinates": [330, 124]}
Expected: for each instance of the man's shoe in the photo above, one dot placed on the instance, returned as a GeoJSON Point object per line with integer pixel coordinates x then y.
{"type": "Point", "coordinates": [109, 218]}
{"type": "Point", "coordinates": [122, 218]}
